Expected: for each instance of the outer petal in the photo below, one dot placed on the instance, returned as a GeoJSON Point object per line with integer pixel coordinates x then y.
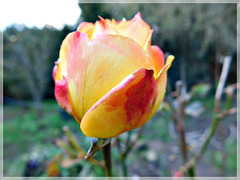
{"type": "Point", "coordinates": [125, 107]}
{"type": "Point", "coordinates": [61, 92]}
{"type": "Point", "coordinates": [161, 83]}
{"type": "Point", "coordinates": [156, 53]}
{"type": "Point", "coordinates": [136, 29]}
{"type": "Point", "coordinates": [158, 59]}
{"type": "Point", "coordinates": [93, 68]}
{"type": "Point", "coordinates": [72, 66]}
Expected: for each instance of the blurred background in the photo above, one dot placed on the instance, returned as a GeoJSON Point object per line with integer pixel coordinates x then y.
{"type": "Point", "coordinates": [198, 35]}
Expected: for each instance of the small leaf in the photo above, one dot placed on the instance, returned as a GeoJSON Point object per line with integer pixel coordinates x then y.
{"type": "Point", "coordinates": [200, 89]}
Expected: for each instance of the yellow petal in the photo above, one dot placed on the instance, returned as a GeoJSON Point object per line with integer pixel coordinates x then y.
{"type": "Point", "coordinates": [156, 53]}
{"type": "Point", "coordinates": [111, 59]}
{"type": "Point", "coordinates": [72, 66]}
{"type": "Point", "coordinates": [158, 59]}
{"type": "Point", "coordinates": [86, 27]}
{"type": "Point", "coordinates": [125, 107]}
{"type": "Point", "coordinates": [161, 83]}
{"type": "Point", "coordinates": [93, 68]}
{"type": "Point", "coordinates": [104, 26]}
{"type": "Point", "coordinates": [136, 29]}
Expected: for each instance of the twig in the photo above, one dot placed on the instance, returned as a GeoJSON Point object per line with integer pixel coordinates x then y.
{"type": "Point", "coordinates": [132, 144]}
{"type": "Point", "coordinates": [129, 146]}
{"type": "Point", "coordinates": [78, 148]}
{"type": "Point", "coordinates": [128, 138]}
{"type": "Point", "coordinates": [180, 118]}
{"type": "Point", "coordinates": [121, 157]}
{"type": "Point", "coordinates": [222, 80]}
{"type": "Point", "coordinates": [217, 117]}
{"type": "Point", "coordinates": [221, 134]}
{"type": "Point", "coordinates": [225, 113]}
{"type": "Point", "coordinates": [72, 139]}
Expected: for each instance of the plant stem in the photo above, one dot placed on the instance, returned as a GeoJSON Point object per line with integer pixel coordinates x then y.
{"type": "Point", "coordinates": [208, 138]}
{"type": "Point", "coordinates": [128, 138]}
{"type": "Point", "coordinates": [191, 172]}
{"type": "Point", "coordinates": [182, 100]}
{"type": "Point", "coordinates": [122, 157]}
{"type": "Point", "coordinates": [193, 162]}
{"type": "Point", "coordinates": [184, 149]}
{"type": "Point", "coordinates": [224, 156]}
{"type": "Point", "coordinates": [129, 146]}
{"type": "Point", "coordinates": [221, 83]}
{"type": "Point", "coordinates": [123, 164]}
{"type": "Point", "coordinates": [71, 139]}
{"type": "Point", "coordinates": [106, 151]}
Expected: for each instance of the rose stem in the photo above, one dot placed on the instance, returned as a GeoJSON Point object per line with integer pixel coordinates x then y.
{"type": "Point", "coordinates": [106, 151]}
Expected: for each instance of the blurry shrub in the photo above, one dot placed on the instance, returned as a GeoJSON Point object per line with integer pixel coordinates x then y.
{"type": "Point", "coordinates": [29, 56]}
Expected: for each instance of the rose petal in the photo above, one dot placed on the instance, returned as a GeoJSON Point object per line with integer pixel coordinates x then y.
{"type": "Point", "coordinates": [161, 83]}
{"type": "Point", "coordinates": [61, 91]}
{"type": "Point", "coordinates": [61, 94]}
{"type": "Point", "coordinates": [93, 68]}
{"type": "Point", "coordinates": [109, 63]}
{"type": "Point", "coordinates": [86, 27]}
{"type": "Point", "coordinates": [156, 53]}
{"type": "Point", "coordinates": [72, 66]}
{"type": "Point", "coordinates": [136, 29]}
{"type": "Point", "coordinates": [125, 107]}
{"type": "Point", "coordinates": [158, 59]}
{"type": "Point", "coordinates": [147, 45]}
{"type": "Point", "coordinates": [54, 74]}
{"type": "Point", "coordinates": [104, 26]}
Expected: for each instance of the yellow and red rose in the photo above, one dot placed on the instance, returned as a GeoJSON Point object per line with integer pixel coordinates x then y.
{"type": "Point", "coordinates": [109, 77]}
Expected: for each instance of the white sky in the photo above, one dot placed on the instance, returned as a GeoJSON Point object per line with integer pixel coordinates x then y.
{"type": "Point", "coordinates": [38, 13]}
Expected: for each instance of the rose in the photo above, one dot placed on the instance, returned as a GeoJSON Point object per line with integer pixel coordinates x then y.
{"type": "Point", "coordinates": [109, 77]}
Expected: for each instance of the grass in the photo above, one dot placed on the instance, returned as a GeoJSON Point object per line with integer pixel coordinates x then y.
{"type": "Point", "coordinates": [24, 132]}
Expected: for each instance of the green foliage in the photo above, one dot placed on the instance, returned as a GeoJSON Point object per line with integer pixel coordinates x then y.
{"type": "Point", "coordinates": [24, 132]}
{"type": "Point", "coordinates": [209, 102]}
{"type": "Point", "coordinates": [28, 125]}
{"type": "Point", "coordinates": [230, 162]}
{"type": "Point", "coordinates": [200, 90]}
{"type": "Point", "coordinates": [25, 136]}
